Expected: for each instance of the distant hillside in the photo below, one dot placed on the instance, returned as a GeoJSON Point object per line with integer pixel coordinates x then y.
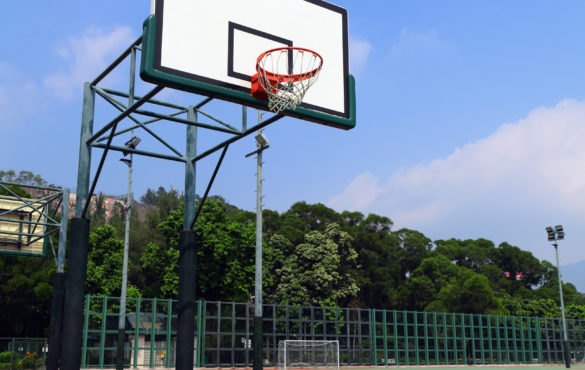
{"type": "Point", "coordinates": [573, 273]}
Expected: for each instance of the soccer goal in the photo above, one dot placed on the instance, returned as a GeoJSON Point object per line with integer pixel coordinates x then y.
{"type": "Point", "coordinates": [579, 357]}
{"type": "Point", "coordinates": [305, 354]}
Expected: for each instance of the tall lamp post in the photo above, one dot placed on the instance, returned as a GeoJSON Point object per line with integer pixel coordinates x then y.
{"type": "Point", "coordinates": [554, 235]}
{"type": "Point", "coordinates": [131, 144]}
{"type": "Point", "coordinates": [261, 144]}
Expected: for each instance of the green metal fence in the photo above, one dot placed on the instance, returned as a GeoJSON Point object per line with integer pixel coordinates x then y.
{"type": "Point", "coordinates": [14, 350]}
{"type": "Point", "coordinates": [224, 330]}
{"type": "Point", "coordinates": [430, 338]}
{"type": "Point", "coordinates": [551, 334]}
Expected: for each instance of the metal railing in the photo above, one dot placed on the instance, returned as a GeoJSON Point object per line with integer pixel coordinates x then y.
{"type": "Point", "coordinates": [224, 330]}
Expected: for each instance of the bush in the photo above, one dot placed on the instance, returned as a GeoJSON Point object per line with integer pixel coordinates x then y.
{"type": "Point", "coordinates": [30, 361]}
{"type": "Point", "coordinates": [5, 357]}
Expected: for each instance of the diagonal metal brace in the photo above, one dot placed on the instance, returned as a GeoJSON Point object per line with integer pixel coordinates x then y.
{"type": "Point", "coordinates": [202, 201]}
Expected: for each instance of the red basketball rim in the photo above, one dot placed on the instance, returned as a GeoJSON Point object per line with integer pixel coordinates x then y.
{"type": "Point", "coordinates": [288, 77]}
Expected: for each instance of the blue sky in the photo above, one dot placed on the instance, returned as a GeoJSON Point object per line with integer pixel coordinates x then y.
{"type": "Point", "coordinates": [471, 117]}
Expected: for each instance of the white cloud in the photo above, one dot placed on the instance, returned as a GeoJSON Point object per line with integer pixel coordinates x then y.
{"type": "Point", "coordinates": [85, 58]}
{"type": "Point", "coordinates": [19, 96]}
{"type": "Point", "coordinates": [415, 41]}
{"type": "Point", "coordinates": [359, 194]}
{"type": "Point", "coordinates": [520, 175]}
{"type": "Point", "coordinates": [359, 51]}
{"type": "Point", "coordinates": [23, 98]}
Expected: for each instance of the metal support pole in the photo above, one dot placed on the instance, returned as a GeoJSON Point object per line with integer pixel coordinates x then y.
{"type": "Point", "coordinates": [56, 323]}
{"type": "Point", "coordinates": [122, 316]}
{"type": "Point", "coordinates": [82, 195]}
{"type": "Point", "coordinates": [257, 364]}
{"type": "Point", "coordinates": [187, 258]}
{"type": "Point", "coordinates": [567, 351]}
{"type": "Point", "coordinates": [79, 245]}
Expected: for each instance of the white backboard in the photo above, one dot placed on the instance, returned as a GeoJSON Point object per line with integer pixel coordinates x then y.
{"type": "Point", "coordinates": [217, 42]}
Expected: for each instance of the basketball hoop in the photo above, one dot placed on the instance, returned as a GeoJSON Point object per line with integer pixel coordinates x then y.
{"type": "Point", "coordinates": [284, 75]}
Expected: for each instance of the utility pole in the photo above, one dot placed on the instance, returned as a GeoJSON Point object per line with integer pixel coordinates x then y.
{"type": "Point", "coordinates": [132, 143]}
{"type": "Point", "coordinates": [261, 144]}
{"type": "Point", "coordinates": [554, 235]}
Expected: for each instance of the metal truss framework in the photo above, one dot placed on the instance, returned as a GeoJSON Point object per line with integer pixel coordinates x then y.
{"type": "Point", "coordinates": [44, 208]}
{"type": "Point", "coordinates": [142, 111]}
{"type": "Point", "coordinates": [131, 107]}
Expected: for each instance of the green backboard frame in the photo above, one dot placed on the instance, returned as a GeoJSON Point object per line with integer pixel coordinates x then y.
{"type": "Point", "coordinates": [149, 73]}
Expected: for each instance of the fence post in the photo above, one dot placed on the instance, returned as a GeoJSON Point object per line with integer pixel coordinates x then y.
{"type": "Point", "coordinates": [85, 330]}
{"type": "Point", "coordinates": [385, 334]}
{"type": "Point", "coordinates": [395, 327]}
{"type": "Point", "coordinates": [12, 354]}
{"type": "Point", "coordinates": [499, 340]}
{"type": "Point", "coordinates": [137, 331]}
{"type": "Point", "coordinates": [169, 338]}
{"type": "Point", "coordinates": [199, 332]}
{"type": "Point", "coordinates": [426, 332]}
{"type": "Point", "coordinates": [530, 340]}
{"type": "Point", "coordinates": [103, 330]}
{"type": "Point", "coordinates": [491, 347]}
{"type": "Point", "coordinates": [152, 333]}
{"type": "Point", "coordinates": [374, 351]}
{"type": "Point", "coordinates": [416, 347]}
{"type": "Point", "coordinates": [454, 333]}
{"type": "Point", "coordinates": [436, 335]}
{"type": "Point", "coordinates": [481, 338]}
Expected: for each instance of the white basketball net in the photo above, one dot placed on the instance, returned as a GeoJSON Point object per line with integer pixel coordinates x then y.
{"type": "Point", "coordinates": [286, 74]}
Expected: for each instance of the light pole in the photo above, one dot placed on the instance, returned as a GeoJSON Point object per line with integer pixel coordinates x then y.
{"type": "Point", "coordinates": [131, 144]}
{"type": "Point", "coordinates": [261, 144]}
{"type": "Point", "coordinates": [554, 235]}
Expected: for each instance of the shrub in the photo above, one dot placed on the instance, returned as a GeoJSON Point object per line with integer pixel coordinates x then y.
{"type": "Point", "coordinates": [5, 357]}
{"type": "Point", "coordinates": [29, 361]}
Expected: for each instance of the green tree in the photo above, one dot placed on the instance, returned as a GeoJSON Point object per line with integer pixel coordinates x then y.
{"type": "Point", "coordinates": [16, 190]}
{"type": "Point", "coordinates": [25, 295]}
{"type": "Point", "coordinates": [575, 311]}
{"type": "Point", "coordinates": [313, 273]}
{"type": "Point", "coordinates": [426, 282]}
{"type": "Point", "coordinates": [414, 247]}
{"type": "Point", "coordinates": [225, 254]}
{"type": "Point", "coordinates": [104, 264]}
{"type": "Point", "coordinates": [538, 307]}
{"type": "Point", "coordinates": [469, 293]}
{"type": "Point", "coordinates": [514, 260]}
{"type": "Point", "coordinates": [378, 264]}
{"type": "Point", "coordinates": [302, 218]}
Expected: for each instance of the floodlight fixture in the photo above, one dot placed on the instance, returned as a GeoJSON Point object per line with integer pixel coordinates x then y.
{"type": "Point", "coordinates": [132, 144]}
{"type": "Point", "coordinates": [560, 232]}
{"type": "Point", "coordinates": [551, 233]}
{"type": "Point", "coordinates": [261, 140]}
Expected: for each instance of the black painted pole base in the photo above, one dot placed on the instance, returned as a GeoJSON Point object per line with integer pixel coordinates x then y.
{"type": "Point", "coordinates": [74, 295]}
{"type": "Point", "coordinates": [56, 323]}
{"type": "Point", "coordinates": [120, 350]}
{"type": "Point", "coordinates": [186, 309]}
{"type": "Point", "coordinates": [567, 354]}
{"type": "Point", "coordinates": [257, 365]}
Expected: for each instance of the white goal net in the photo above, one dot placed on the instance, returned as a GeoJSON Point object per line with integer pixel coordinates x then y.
{"type": "Point", "coordinates": [302, 354]}
{"type": "Point", "coordinates": [579, 356]}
